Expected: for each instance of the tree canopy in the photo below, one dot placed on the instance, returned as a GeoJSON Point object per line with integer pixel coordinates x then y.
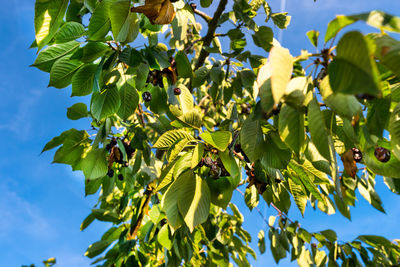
{"type": "Point", "coordinates": [183, 113]}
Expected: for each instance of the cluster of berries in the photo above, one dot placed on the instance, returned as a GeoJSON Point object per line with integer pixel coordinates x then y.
{"type": "Point", "coordinates": [217, 168]}
{"type": "Point", "coordinates": [252, 180]}
{"type": "Point", "coordinates": [382, 154]}
{"type": "Point", "coordinates": [117, 156]}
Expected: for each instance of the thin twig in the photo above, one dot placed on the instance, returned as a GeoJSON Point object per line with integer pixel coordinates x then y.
{"type": "Point", "coordinates": [203, 15]}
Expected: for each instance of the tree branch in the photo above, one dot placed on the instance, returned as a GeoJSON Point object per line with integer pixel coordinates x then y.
{"type": "Point", "coordinates": [136, 226]}
{"type": "Point", "coordinates": [212, 26]}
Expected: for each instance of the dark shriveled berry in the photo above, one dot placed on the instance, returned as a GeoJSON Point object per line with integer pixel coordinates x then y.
{"type": "Point", "coordinates": [120, 177]}
{"type": "Point", "coordinates": [357, 155]}
{"type": "Point", "coordinates": [146, 96]}
{"type": "Point", "coordinates": [177, 91]}
{"type": "Point", "coordinates": [382, 154]}
{"type": "Point", "coordinates": [110, 173]}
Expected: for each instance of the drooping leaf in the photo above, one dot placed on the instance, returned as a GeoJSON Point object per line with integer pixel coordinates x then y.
{"type": "Point", "coordinates": [105, 103]}
{"type": "Point", "coordinates": [251, 138]}
{"type": "Point", "coordinates": [251, 197]}
{"type": "Point", "coordinates": [94, 165]}
{"type": "Point", "coordinates": [218, 139]}
{"type": "Point", "coordinates": [183, 65]}
{"type": "Point", "coordinates": [346, 106]}
{"type": "Point", "coordinates": [129, 101]}
{"type": "Point", "coordinates": [69, 31]}
{"type": "Point", "coordinates": [394, 129]}
{"type": "Point", "coordinates": [48, 56]}
{"type": "Point", "coordinates": [353, 70]}
{"type": "Point", "coordinates": [263, 38]}
{"type": "Point", "coordinates": [62, 71]}
{"type": "Point", "coordinates": [77, 111]}
{"type": "Point", "coordinates": [100, 24]}
{"type": "Point", "coordinates": [291, 127]}
{"type": "Point", "coordinates": [124, 24]}
{"type": "Point", "coordinates": [318, 131]}
{"type": "Point", "coordinates": [82, 81]}
{"type": "Point", "coordinates": [375, 18]}
{"type": "Point", "coordinates": [194, 200]}
{"type": "Point", "coordinates": [281, 71]}
{"type": "Point", "coordinates": [48, 18]}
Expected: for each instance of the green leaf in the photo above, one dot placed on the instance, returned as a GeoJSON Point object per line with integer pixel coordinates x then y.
{"type": "Point", "coordinates": [129, 101]}
{"type": "Point", "coordinates": [305, 180]}
{"type": "Point", "coordinates": [73, 148]}
{"type": "Point", "coordinates": [94, 165]}
{"type": "Point", "coordinates": [263, 38]}
{"type": "Point", "coordinates": [276, 154]}
{"type": "Point", "coordinates": [166, 140]}
{"type": "Point", "coordinates": [318, 132]}
{"type": "Point", "coordinates": [205, 3]}
{"type": "Point", "coordinates": [299, 196]}
{"type": "Point", "coordinates": [132, 57]}
{"type": "Point", "coordinates": [261, 241]}
{"type": "Point", "coordinates": [105, 103]}
{"type": "Point", "coordinates": [281, 71]}
{"type": "Point", "coordinates": [164, 237]}
{"type": "Point", "coordinates": [264, 87]}
{"type": "Point", "coordinates": [58, 140]}
{"type": "Point", "coordinates": [87, 221]}
{"type": "Point", "coordinates": [194, 200]}
{"type": "Point", "coordinates": [47, 57]}
{"type": "Point", "coordinates": [392, 184]}
{"type": "Point", "coordinates": [197, 155]}
{"type": "Point", "coordinates": [346, 106]}
{"type": "Point", "coordinates": [313, 37]}
{"type": "Point", "coordinates": [200, 76]}
{"type": "Point", "coordinates": [69, 31]}
{"type": "Point", "coordinates": [192, 118]}
{"type": "Point", "coordinates": [169, 202]}
{"type": "Point", "coordinates": [105, 215]}
{"type": "Point", "coordinates": [330, 235]}
{"type": "Point", "coordinates": [218, 139]}
{"type": "Point", "coordinates": [62, 71]}
{"type": "Point", "coordinates": [82, 81]}
{"type": "Point", "coordinates": [185, 99]}
{"type": "Point", "coordinates": [92, 186]}
{"type": "Point", "coordinates": [387, 169]}
{"type": "Point", "coordinates": [291, 127]}
{"type": "Point", "coordinates": [282, 20]}
{"type": "Point", "coordinates": [177, 148]}
{"type": "Point", "coordinates": [251, 197]}
{"type": "Point", "coordinates": [394, 129]}
{"type": "Point", "coordinates": [375, 18]}
{"type": "Point", "coordinates": [183, 65]}
{"type": "Point", "coordinates": [124, 24]}
{"type": "Point", "coordinates": [77, 111]}
{"type": "Point", "coordinates": [100, 24]}
{"type": "Point", "coordinates": [353, 70]}
{"type": "Point", "coordinates": [231, 166]}
{"type": "Point", "coordinates": [97, 248]}
{"type": "Point", "coordinates": [93, 50]}
{"type": "Point", "coordinates": [375, 241]}
{"type": "Point", "coordinates": [251, 138]}
{"type": "Point", "coordinates": [48, 18]}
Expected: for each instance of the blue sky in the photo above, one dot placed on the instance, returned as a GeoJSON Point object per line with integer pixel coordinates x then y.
{"type": "Point", "coordinates": [42, 205]}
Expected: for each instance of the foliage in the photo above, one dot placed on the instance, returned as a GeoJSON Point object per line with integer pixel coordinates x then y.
{"type": "Point", "coordinates": [178, 116]}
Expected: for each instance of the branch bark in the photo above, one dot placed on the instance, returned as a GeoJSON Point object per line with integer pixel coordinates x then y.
{"type": "Point", "coordinates": [212, 26]}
